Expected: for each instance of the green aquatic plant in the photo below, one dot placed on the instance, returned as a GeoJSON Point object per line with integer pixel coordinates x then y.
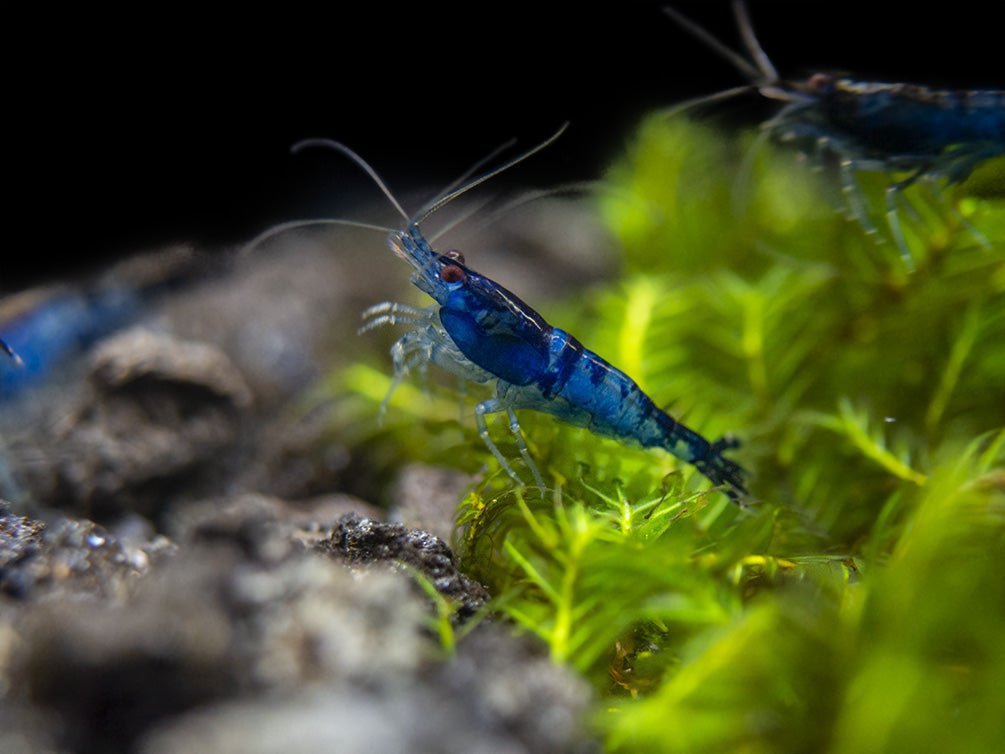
{"type": "Point", "coordinates": [855, 604]}
{"type": "Point", "coordinates": [905, 656]}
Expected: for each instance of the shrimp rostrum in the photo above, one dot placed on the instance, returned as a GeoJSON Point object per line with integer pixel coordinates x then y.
{"type": "Point", "coordinates": [921, 133]}
{"type": "Point", "coordinates": [483, 333]}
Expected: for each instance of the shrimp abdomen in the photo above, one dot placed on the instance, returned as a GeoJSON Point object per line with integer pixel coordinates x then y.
{"type": "Point", "coordinates": [910, 119]}
{"type": "Point", "coordinates": [588, 391]}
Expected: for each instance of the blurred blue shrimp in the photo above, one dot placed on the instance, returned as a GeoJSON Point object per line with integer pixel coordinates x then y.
{"type": "Point", "coordinates": [45, 328]}
{"type": "Point", "coordinates": [483, 333]}
{"type": "Point", "coordinates": [871, 127]}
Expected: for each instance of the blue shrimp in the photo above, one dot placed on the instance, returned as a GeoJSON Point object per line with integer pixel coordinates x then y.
{"type": "Point", "coordinates": [484, 333]}
{"type": "Point", "coordinates": [871, 127]}
{"type": "Point", "coordinates": [46, 328]}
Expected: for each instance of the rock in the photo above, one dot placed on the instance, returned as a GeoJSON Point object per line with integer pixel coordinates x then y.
{"type": "Point", "coordinates": [66, 557]}
{"type": "Point", "coordinates": [161, 414]}
{"type": "Point", "coordinates": [360, 541]}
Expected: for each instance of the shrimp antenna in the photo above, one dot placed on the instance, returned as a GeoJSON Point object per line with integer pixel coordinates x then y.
{"type": "Point", "coordinates": [760, 57]}
{"type": "Point", "coordinates": [761, 73]}
{"type": "Point", "coordinates": [459, 181]}
{"type": "Point", "coordinates": [441, 202]}
{"type": "Point", "coordinates": [276, 230]}
{"type": "Point", "coordinates": [375, 177]}
{"type": "Point", "coordinates": [474, 169]}
{"type": "Point", "coordinates": [748, 69]}
{"type": "Point", "coordinates": [360, 162]}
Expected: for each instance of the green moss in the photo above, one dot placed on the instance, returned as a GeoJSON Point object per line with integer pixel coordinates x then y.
{"type": "Point", "coordinates": [857, 604]}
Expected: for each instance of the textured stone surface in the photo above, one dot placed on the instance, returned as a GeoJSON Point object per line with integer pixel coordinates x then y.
{"type": "Point", "coordinates": [185, 561]}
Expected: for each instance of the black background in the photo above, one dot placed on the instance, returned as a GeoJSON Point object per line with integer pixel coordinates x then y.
{"type": "Point", "coordinates": [132, 128]}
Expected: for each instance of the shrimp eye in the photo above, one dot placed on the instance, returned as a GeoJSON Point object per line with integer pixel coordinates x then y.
{"type": "Point", "coordinates": [455, 255]}
{"type": "Point", "coordinates": [820, 83]}
{"type": "Point", "coordinates": [451, 274]}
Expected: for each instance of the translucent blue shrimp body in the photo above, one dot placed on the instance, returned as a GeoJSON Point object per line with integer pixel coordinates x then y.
{"type": "Point", "coordinates": [921, 133]}
{"type": "Point", "coordinates": [482, 332]}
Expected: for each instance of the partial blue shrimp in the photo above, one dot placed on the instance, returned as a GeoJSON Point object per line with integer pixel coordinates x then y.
{"type": "Point", "coordinates": [45, 328]}
{"type": "Point", "coordinates": [928, 134]}
{"type": "Point", "coordinates": [484, 333]}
